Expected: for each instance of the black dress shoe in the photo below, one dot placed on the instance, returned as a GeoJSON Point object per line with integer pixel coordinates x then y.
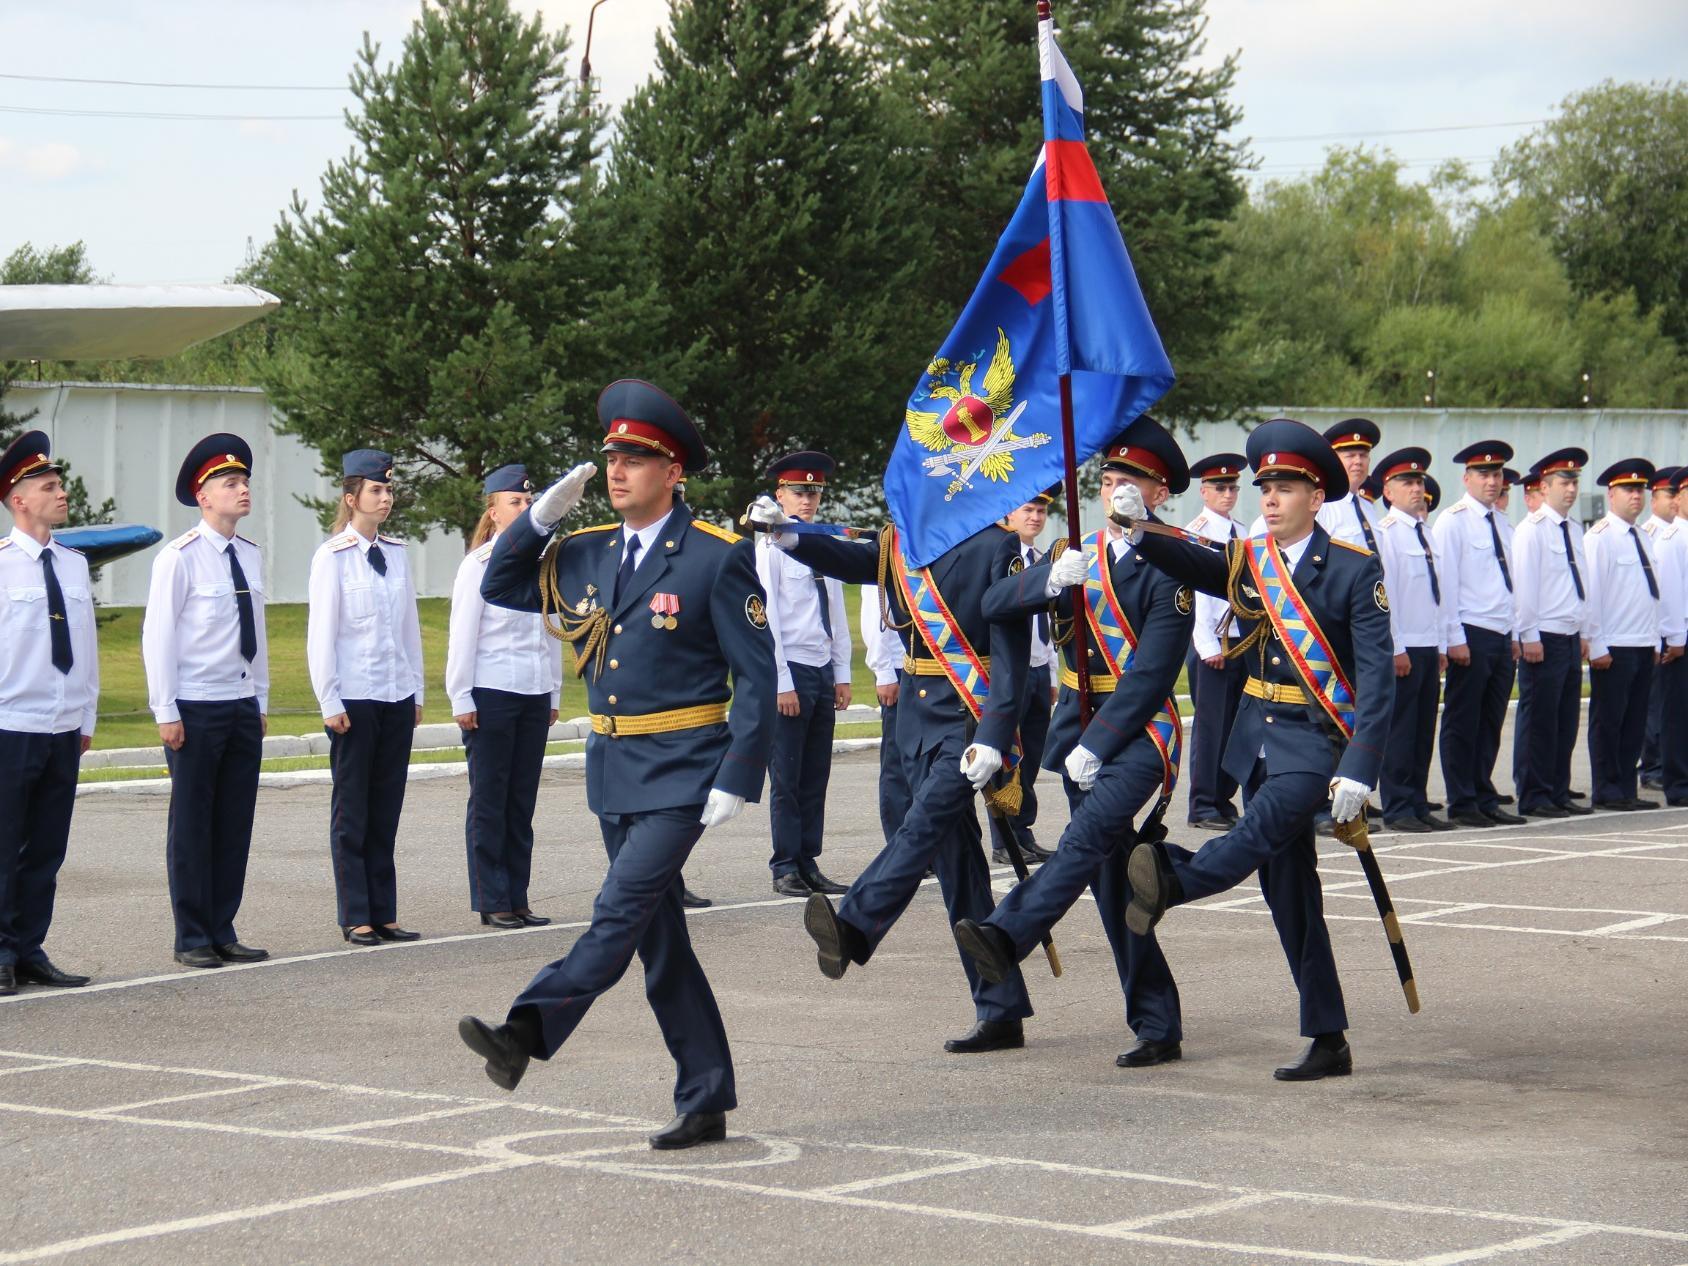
{"type": "Point", "coordinates": [532, 920]}
{"type": "Point", "coordinates": [1434, 806]}
{"type": "Point", "coordinates": [1213, 824]}
{"type": "Point", "coordinates": [1652, 783]}
{"type": "Point", "coordinates": [199, 956]}
{"type": "Point", "coordinates": [1411, 826]}
{"type": "Point", "coordinates": [505, 1054]}
{"type": "Point", "coordinates": [988, 1035]}
{"type": "Point", "coordinates": [989, 948]}
{"type": "Point", "coordinates": [1575, 810]}
{"type": "Point", "coordinates": [1636, 802]}
{"type": "Point", "coordinates": [822, 924]}
{"type": "Point", "coordinates": [360, 938]}
{"type": "Point", "coordinates": [1578, 795]}
{"type": "Point", "coordinates": [820, 883]}
{"type": "Point", "coordinates": [8, 980]}
{"type": "Point", "coordinates": [44, 973]}
{"type": "Point", "coordinates": [1437, 824]}
{"type": "Point", "coordinates": [1324, 1057]}
{"type": "Point", "coordinates": [689, 1129]}
{"type": "Point", "coordinates": [791, 884]}
{"type": "Point", "coordinates": [691, 901]}
{"type": "Point", "coordinates": [1149, 1052]}
{"type": "Point", "coordinates": [235, 952]}
{"type": "Point", "coordinates": [504, 922]}
{"type": "Point", "coordinates": [1154, 887]}
{"type": "Point", "coordinates": [1503, 800]}
{"type": "Point", "coordinates": [1325, 825]}
{"type": "Point", "coordinates": [1502, 818]}
{"type": "Point", "coordinates": [1546, 811]}
{"type": "Point", "coordinates": [1616, 806]}
{"type": "Point", "coordinates": [1677, 802]}
{"type": "Point", "coordinates": [1471, 818]}
{"type": "Point", "coordinates": [396, 933]}
{"type": "Point", "coordinates": [1031, 850]}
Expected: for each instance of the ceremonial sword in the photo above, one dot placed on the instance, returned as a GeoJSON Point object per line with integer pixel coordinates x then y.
{"type": "Point", "coordinates": [1357, 836]}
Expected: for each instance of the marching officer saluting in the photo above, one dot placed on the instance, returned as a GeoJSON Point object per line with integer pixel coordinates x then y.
{"type": "Point", "coordinates": [1313, 721]}
{"type": "Point", "coordinates": [49, 689]}
{"type": "Point", "coordinates": [208, 684]}
{"type": "Point", "coordinates": [660, 607]}
{"type": "Point", "coordinates": [1216, 682]}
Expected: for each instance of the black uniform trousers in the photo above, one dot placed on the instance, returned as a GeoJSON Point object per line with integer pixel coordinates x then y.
{"type": "Point", "coordinates": [1092, 854]}
{"type": "Point", "coordinates": [1275, 837]}
{"type": "Point", "coordinates": [1673, 739]}
{"type": "Point", "coordinates": [1034, 736]}
{"type": "Point", "coordinates": [34, 829]}
{"type": "Point", "coordinates": [1473, 712]}
{"type": "Point", "coordinates": [1617, 718]}
{"type": "Point", "coordinates": [799, 769]}
{"type": "Point", "coordinates": [894, 794]}
{"type": "Point", "coordinates": [940, 833]}
{"type": "Point", "coordinates": [1545, 729]}
{"type": "Point", "coordinates": [1412, 734]}
{"type": "Point", "coordinates": [638, 911]}
{"type": "Point", "coordinates": [1652, 754]}
{"type": "Point", "coordinates": [1216, 693]}
{"type": "Point", "coordinates": [506, 752]}
{"type": "Point", "coordinates": [213, 796]}
{"type": "Point", "coordinates": [371, 762]}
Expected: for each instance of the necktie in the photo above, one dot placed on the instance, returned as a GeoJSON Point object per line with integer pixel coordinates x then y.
{"type": "Point", "coordinates": [1033, 558]}
{"type": "Point", "coordinates": [57, 625]}
{"type": "Point", "coordinates": [1646, 566]}
{"type": "Point", "coordinates": [1571, 558]}
{"type": "Point", "coordinates": [1430, 563]}
{"type": "Point", "coordinates": [629, 563]}
{"type": "Point", "coordinates": [377, 559]}
{"type": "Point", "coordinates": [826, 606]}
{"type": "Point", "coordinates": [1365, 526]}
{"type": "Point", "coordinates": [243, 603]}
{"type": "Point", "coordinates": [1500, 554]}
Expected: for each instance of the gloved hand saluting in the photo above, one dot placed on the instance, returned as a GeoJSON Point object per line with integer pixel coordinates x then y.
{"type": "Point", "coordinates": [980, 764]}
{"type": "Point", "coordinates": [553, 505]}
{"type": "Point", "coordinates": [1069, 569]}
{"type": "Point", "coordinates": [1347, 798]}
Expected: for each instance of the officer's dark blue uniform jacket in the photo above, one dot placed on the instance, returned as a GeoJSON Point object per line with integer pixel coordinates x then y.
{"type": "Point", "coordinates": [928, 708]}
{"type": "Point", "coordinates": [721, 625]}
{"type": "Point", "coordinates": [1343, 588]}
{"type": "Point", "coordinates": [1161, 612]}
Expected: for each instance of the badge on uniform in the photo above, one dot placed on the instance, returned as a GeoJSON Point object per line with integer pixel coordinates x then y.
{"type": "Point", "coordinates": [1380, 596]}
{"type": "Point", "coordinates": [1184, 600]}
{"type": "Point", "coordinates": [756, 612]}
{"type": "Point", "coordinates": [664, 607]}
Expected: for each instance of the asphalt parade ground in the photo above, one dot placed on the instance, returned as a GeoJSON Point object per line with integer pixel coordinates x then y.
{"type": "Point", "coordinates": [319, 1107]}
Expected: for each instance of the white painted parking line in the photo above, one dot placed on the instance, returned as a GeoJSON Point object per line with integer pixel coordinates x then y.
{"type": "Point", "coordinates": [1630, 925]}
{"type": "Point", "coordinates": [906, 1175]}
{"type": "Point", "coordinates": [33, 1068]}
{"type": "Point", "coordinates": [1248, 1200]}
{"type": "Point", "coordinates": [1545, 1239]}
{"type": "Point", "coordinates": [383, 1123]}
{"type": "Point", "coordinates": [187, 1098]}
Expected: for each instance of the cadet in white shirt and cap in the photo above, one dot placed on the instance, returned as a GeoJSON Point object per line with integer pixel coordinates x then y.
{"type": "Point", "coordinates": [49, 688]}
{"type": "Point", "coordinates": [1215, 679]}
{"type": "Point", "coordinates": [364, 645]}
{"type": "Point", "coordinates": [884, 655]}
{"type": "Point", "coordinates": [1662, 516]}
{"type": "Point", "coordinates": [208, 684]}
{"type": "Point", "coordinates": [1353, 518]}
{"type": "Point", "coordinates": [1027, 522]}
{"type": "Point", "coordinates": [1673, 738]}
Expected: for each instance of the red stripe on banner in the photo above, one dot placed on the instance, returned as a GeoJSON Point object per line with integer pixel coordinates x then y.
{"type": "Point", "coordinates": [1072, 176]}
{"type": "Point", "coordinates": [1029, 274]}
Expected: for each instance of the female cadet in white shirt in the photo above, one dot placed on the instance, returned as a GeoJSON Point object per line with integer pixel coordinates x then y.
{"type": "Point", "coordinates": [504, 677]}
{"type": "Point", "coordinates": [364, 644]}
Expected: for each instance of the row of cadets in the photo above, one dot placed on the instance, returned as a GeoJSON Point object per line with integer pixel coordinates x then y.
{"type": "Point", "coordinates": [1027, 522]}
{"type": "Point", "coordinates": [947, 755]}
{"type": "Point", "coordinates": [811, 635]}
{"type": "Point", "coordinates": [1299, 740]}
{"type": "Point", "coordinates": [363, 643]}
{"type": "Point", "coordinates": [49, 691]}
{"type": "Point", "coordinates": [883, 651]}
{"type": "Point", "coordinates": [208, 684]}
{"type": "Point", "coordinates": [1638, 624]}
{"type": "Point", "coordinates": [504, 678]}
{"type": "Point", "coordinates": [1215, 678]}
{"type": "Point", "coordinates": [1124, 760]}
{"type": "Point", "coordinates": [1662, 513]}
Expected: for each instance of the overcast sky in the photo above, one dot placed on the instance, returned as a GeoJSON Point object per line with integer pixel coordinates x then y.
{"type": "Point", "coordinates": [177, 200]}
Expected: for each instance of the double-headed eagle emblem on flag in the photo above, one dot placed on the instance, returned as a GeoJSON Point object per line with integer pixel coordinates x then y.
{"type": "Point", "coordinates": [973, 434]}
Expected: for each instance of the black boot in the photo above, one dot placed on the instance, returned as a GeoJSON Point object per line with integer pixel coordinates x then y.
{"type": "Point", "coordinates": [1326, 1056]}
{"type": "Point", "coordinates": [988, 1035]}
{"type": "Point", "coordinates": [989, 948]}
{"type": "Point", "coordinates": [506, 1048]}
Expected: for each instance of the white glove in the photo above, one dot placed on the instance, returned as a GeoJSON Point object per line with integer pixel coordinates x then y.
{"type": "Point", "coordinates": [766, 512]}
{"type": "Point", "coordinates": [980, 764]}
{"type": "Point", "coordinates": [722, 806]}
{"type": "Point", "coordinates": [553, 505]}
{"type": "Point", "coordinates": [1347, 798]}
{"type": "Point", "coordinates": [1082, 767]}
{"type": "Point", "coordinates": [1069, 569]}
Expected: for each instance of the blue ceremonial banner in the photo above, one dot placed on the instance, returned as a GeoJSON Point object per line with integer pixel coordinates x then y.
{"type": "Point", "coordinates": [981, 431]}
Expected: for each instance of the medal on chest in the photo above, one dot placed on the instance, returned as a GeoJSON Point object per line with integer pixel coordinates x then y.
{"type": "Point", "coordinates": [664, 608]}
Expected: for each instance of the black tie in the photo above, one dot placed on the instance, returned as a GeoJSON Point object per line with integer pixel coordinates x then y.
{"type": "Point", "coordinates": [243, 602]}
{"type": "Point", "coordinates": [377, 559]}
{"type": "Point", "coordinates": [1500, 554]}
{"type": "Point", "coordinates": [1571, 558]}
{"type": "Point", "coordinates": [629, 563]}
{"type": "Point", "coordinates": [1429, 562]}
{"type": "Point", "coordinates": [1032, 560]}
{"type": "Point", "coordinates": [1646, 566]}
{"type": "Point", "coordinates": [1365, 527]}
{"type": "Point", "coordinates": [826, 607]}
{"type": "Point", "coordinates": [57, 625]}
{"type": "Point", "coordinates": [1233, 531]}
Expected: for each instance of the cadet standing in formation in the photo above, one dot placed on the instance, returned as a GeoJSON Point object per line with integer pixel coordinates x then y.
{"type": "Point", "coordinates": [504, 678]}
{"type": "Point", "coordinates": [208, 684]}
{"type": "Point", "coordinates": [1216, 679]}
{"type": "Point", "coordinates": [1662, 515]}
{"type": "Point", "coordinates": [1352, 517]}
{"type": "Point", "coordinates": [1027, 522]}
{"type": "Point", "coordinates": [883, 651]}
{"type": "Point", "coordinates": [49, 691]}
{"type": "Point", "coordinates": [811, 633]}
{"type": "Point", "coordinates": [660, 607]}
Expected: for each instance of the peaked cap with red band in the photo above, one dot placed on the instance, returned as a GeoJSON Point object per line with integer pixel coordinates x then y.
{"type": "Point", "coordinates": [1218, 467]}
{"type": "Point", "coordinates": [1404, 461]}
{"type": "Point", "coordinates": [219, 454]}
{"type": "Point", "coordinates": [1354, 433]}
{"type": "Point", "coordinates": [1286, 449]}
{"type": "Point", "coordinates": [641, 418]}
{"type": "Point", "coordinates": [1147, 448]}
{"type": "Point", "coordinates": [1629, 473]}
{"type": "Point", "coordinates": [26, 457]}
{"type": "Point", "coordinates": [1561, 461]}
{"type": "Point", "coordinates": [808, 469]}
{"type": "Point", "coordinates": [1664, 478]}
{"type": "Point", "coordinates": [1485, 455]}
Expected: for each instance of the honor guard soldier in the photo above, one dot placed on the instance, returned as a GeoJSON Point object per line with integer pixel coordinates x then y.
{"type": "Point", "coordinates": [1631, 624]}
{"type": "Point", "coordinates": [208, 684]}
{"type": "Point", "coordinates": [884, 655]}
{"type": "Point", "coordinates": [49, 689]}
{"type": "Point", "coordinates": [956, 733]}
{"type": "Point", "coordinates": [504, 678]}
{"type": "Point", "coordinates": [1216, 682]}
{"type": "Point", "coordinates": [1351, 517]}
{"type": "Point", "coordinates": [1554, 625]}
{"type": "Point", "coordinates": [1117, 762]}
{"type": "Point", "coordinates": [1673, 738]}
{"type": "Point", "coordinates": [363, 642]}
{"type": "Point", "coordinates": [1663, 513]}
{"type": "Point", "coordinates": [1312, 725]}
{"type": "Point", "coordinates": [812, 650]}
{"type": "Point", "coordinates": [1419, 632]}
{"type": "Point", "coordinates": [660, 608]}
{"type": "Point", "coordinates": [1028, 523]}
{"type": "Point", "coordinates": [1476, 579]}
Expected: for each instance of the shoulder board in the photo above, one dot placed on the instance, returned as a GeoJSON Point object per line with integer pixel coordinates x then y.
{"type": "Point", "coordinates": [731, 538]}
{"type": "Point", "coordinates": [253, 544]}
{"type": "Point", "coordinates": [1536, 516]}
{"type": "Point", "coordinates": [1198, 523]}
{"type": "Point", "coordinates": [1388, 521]}
{"type": "Point", "coordinates": [484, 552]}
{"type": "Point", "coordinates": [343, 541]}
{"type": "Point", "coordinates": [1668, 531]}
{"type": "Point", "coordinates": [182, 541]}
{"type": "Point", "coordinates": [5, 541]}
{"type": "Point", "coordinates": [596, 527]}
{"type": "Point", "coordinates": [1458, 507]}
{"type": "Point", "coordinates": [1651, 527]}
{"type": "Point", "coordinates": [1601, 526]}
{"type": "Point", "coordinates": [389, 540]}
{"type": "Point", "coordinates": [1358, 549]}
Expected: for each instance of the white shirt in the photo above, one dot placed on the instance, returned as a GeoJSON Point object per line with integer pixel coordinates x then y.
{"type": "Point", "coordinates": [1416, 617]}
{"type": "Point", "coordinates": [648, 537]}
{"type": "Point", "coordinates": [1043, 650]}
{"type": "Point", "coordinates": [1341, 519]}
{"type": "Point", "coordinates": [190, 636]}
{"type": "Point", "coordinates": [794, 615]}
{"type": "Point", "coordinates": [1670, 552]}
{"type": "Point", "coordinates": [885, 648]}
{"type": "Point", "coordinates": [1546, 591]}
{"type": "Point", "coordinates": [494, 647]}
{"type": "Point", "coordinates": [1213, 615]}
{"type": "Point", "coordinates": [363, 639]}
{"type": "Point", "coordinates": [1472, 583]}
{"type": "Point", "coordinates": [1653, 524]}
{"type": "Point", "coordinates": [1623, 609]}
{"type": "Point", "coordinates": [35, 697]}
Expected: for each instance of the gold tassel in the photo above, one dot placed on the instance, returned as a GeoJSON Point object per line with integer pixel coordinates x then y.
{"type": "Point", "coordinates": [1241, 606]}
{"type": "Point", "coordinates": [1005, 799]}
{"type": "Point", "coordinates": [589, 634]}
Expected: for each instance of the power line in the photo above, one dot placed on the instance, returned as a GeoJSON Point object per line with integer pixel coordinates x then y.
{"type": "Point", "coordinates": [145, 83]}
{"type": "Point", "coordinates": [157, 114]}
{"type": "Point", "coordinates": [1398, 131]}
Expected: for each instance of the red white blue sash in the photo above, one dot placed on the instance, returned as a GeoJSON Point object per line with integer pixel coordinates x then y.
{"type": "Point", "coordinates": [1308, 649]}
